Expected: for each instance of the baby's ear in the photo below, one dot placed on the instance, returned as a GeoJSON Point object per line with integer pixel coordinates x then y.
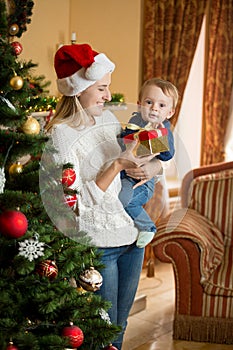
{"type": "Point", "coordinates": [139, 105]}
{"type": "Point", "coordinates": [171, 113]}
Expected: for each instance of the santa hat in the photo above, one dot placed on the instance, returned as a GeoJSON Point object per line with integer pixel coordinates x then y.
{"type": "Point", "coordinates": [78, 67]}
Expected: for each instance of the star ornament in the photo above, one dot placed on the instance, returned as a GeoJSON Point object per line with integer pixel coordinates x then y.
{"type": "Point", "coordinates": [31, 249]}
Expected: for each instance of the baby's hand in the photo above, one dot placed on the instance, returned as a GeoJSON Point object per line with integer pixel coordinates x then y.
{"type": "Point", "coordinates": [145, 172]}
{"type": "Point", "coordinates": [139, 183]}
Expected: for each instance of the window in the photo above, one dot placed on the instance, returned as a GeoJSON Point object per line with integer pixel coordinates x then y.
{"type": "Point", "coordinates": [188, 130]}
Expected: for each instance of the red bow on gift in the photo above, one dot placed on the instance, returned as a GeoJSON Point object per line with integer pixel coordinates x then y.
{"type": "Point", "coordinates": [143, 134]}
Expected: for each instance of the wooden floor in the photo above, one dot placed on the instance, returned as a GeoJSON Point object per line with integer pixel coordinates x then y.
{"type": "Point", "coordinates": [151, 328]}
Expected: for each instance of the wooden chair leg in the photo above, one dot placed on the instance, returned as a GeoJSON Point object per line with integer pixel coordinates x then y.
{"type": "Point", "coordinates": [150, 263]}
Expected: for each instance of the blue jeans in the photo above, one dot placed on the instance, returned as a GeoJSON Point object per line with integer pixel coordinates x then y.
{"type": "Point", "coordinates": [134, 199]}
{"type": "Point", "coordinates": [121, 275]}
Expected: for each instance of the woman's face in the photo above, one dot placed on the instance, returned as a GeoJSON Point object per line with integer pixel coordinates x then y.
{"type": "Point", "coordinates": [94, 97]}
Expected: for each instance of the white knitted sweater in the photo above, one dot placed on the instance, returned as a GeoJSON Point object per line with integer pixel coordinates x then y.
{"type": "Point", "coordinates": [101, 214]}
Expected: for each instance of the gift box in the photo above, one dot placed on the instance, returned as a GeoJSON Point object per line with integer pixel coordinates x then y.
{"type": "Point", "coordinates": [150, 141]}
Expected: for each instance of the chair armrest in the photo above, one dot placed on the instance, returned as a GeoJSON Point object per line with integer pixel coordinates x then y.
{"type": "Point", "coordinates": [188, 224]}
{"type": "Point", "coordinates": [185, 258]}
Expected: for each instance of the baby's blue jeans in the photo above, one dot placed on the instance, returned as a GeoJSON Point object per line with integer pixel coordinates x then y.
{"type": "Point", "coordinates": [133, 201]}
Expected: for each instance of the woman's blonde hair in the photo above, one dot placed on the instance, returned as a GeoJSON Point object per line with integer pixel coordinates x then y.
{"type": "Point", "coordinates": [70, 111]}
{"type": "Point", "coordinates": [166, 86]}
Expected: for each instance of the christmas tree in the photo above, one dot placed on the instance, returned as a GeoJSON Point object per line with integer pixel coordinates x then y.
{"type": "Point", "coordinates": [47, 279]}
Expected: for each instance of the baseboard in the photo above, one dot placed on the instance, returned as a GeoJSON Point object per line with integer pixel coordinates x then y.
{"type": "Point", "coordinates": [138, 305]}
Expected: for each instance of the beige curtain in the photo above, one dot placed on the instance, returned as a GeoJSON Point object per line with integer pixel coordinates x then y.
{"type": "Point", "coordinates": [171, 31]}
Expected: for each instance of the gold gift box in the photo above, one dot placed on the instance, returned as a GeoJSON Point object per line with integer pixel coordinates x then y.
{"type": "Point", "coordinates": [150, 141]}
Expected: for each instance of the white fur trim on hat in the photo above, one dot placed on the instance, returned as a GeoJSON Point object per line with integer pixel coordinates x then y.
{"type": "Point", "coordinates": [83, 78]}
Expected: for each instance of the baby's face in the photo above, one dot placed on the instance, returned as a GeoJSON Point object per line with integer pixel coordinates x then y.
{"type": "Point", "coordinates": [155, 106]}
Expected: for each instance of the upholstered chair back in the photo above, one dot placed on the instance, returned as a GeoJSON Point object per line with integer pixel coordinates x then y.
{"type": "Point", "coordinates": [211, 196]}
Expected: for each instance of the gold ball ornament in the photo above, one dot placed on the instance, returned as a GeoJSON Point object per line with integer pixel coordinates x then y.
{"type": "Point", "coordinates": [80, 290]}
{"type": "Point", "coordinates": [16, 82]}
{"type": "Point", "coordinates": [15, 169]}
{"type": "Point", "coordinates": [14, 29]}
{"type": "Point", "coordinates": [31, 126]}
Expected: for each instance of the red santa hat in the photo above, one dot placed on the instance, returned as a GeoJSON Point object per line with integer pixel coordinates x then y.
{"type": "Point", "coordinates": [78, 67]}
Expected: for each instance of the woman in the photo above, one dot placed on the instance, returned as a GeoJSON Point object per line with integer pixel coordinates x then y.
{"type": "Point", "coordinates": [84, 134]}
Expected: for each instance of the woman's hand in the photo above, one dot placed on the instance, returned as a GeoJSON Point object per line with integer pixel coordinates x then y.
{"type": "Point", "coordinates": [128, 160]}
{"type": "Point", "coordinates": [145, 172]}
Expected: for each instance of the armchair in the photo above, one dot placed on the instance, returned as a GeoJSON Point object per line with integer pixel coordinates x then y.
{"type": "Point", "coordinates": [198, 240]}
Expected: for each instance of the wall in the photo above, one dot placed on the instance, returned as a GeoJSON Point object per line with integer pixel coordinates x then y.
{"type": "Point", "coordinates": [113, 27]}
{"type": "Point", "coordinates": [109, 26]}
{"type": "Point", "coordinates": [49, 26]}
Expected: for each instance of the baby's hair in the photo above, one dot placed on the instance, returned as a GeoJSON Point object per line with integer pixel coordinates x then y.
{"type": "Point", "coordinates": [166, 86]}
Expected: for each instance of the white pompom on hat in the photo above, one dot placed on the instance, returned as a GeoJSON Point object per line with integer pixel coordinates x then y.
{"type": "Point", "coordinates": [78, 67]}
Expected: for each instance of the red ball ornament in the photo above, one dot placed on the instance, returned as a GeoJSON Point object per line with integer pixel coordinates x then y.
{"type": "Point", "coordinates": [68, 177]}
{"type": "Point", "coordinates": [13, 224]}
{"type": "Point", "coordinates": [110, 347]}
{"type": "Point", "coordinates": [71, 200]}
{"type": "Point", "coordinates": [75, 335]}
{"type": "Point", "coordinates": [47, 268]}
{"type": "Point", "coordinates": [11, 346]}
{"type": "Point", "coordinates": [18, 48]}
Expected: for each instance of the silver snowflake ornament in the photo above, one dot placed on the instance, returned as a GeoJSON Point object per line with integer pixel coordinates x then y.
{"type": "Point", "coordinates": [2, 180]}
{"type": "Point", "coordinates": [31, 249]}
{"type": "Point", "coordinates": [105, 316]}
